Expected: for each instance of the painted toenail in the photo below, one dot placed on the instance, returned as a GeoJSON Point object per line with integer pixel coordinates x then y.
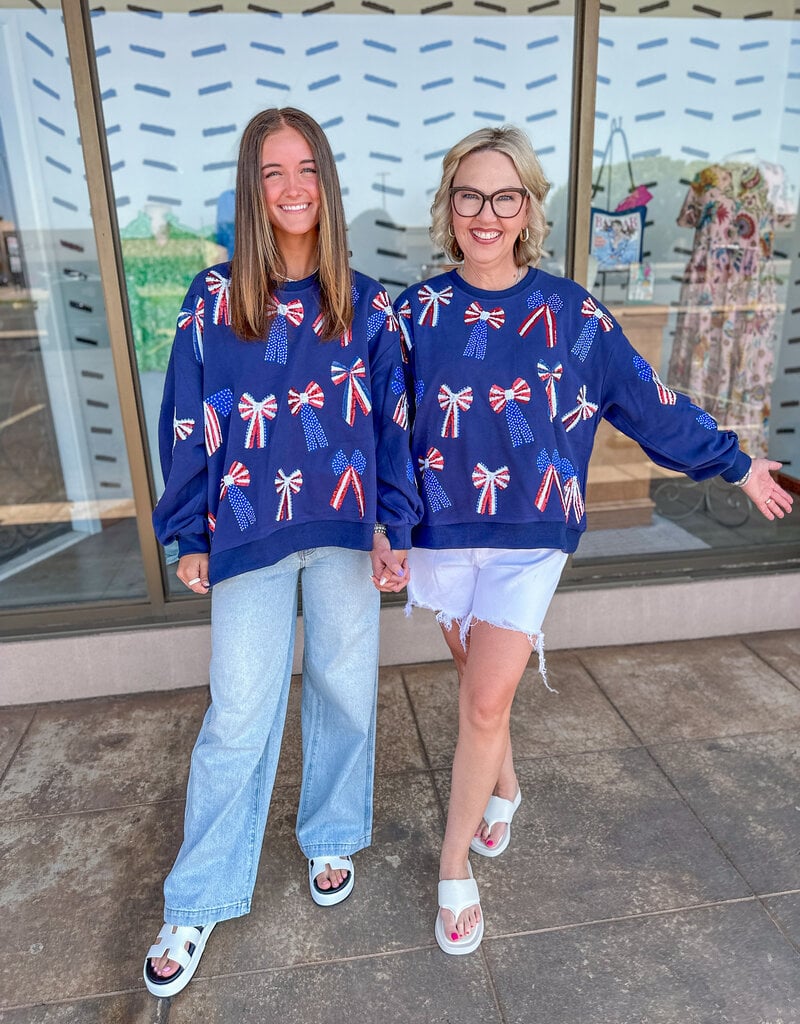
{"type": "Point", "coordinates": [454, 936]}
{"type": "Point", "coordinates": [490, 842]}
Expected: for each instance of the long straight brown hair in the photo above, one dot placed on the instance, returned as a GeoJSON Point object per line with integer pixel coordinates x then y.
{"type": "Point", "coordinates": [258, 267]}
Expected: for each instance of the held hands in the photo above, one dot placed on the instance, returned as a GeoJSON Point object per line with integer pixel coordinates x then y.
{"type": "Point", "coordinates": [193, 571]}
{"type": "Point", "coordinates": [389, 568]}
{"type": "Point", "coordinates": [767, 495]}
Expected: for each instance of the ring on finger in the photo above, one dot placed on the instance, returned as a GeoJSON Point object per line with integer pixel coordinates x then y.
{"type": "Point", "coordinates": [767, 501]}
{"type": "Point", "coordinates": [191, 583]}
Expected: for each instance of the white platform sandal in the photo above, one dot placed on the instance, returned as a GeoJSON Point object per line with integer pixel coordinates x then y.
{"type": "Point", "coordinates": [172, 940]}
{"type": "Point", "coordinates": [456, 895]}
{"type": "Point", "coordinates": [497, 811]}
{"type": "Point", "coordinates": [330, 897]}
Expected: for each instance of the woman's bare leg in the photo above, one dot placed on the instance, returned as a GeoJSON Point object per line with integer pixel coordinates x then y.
{"type": "Point", "coordinates": [492, 669]}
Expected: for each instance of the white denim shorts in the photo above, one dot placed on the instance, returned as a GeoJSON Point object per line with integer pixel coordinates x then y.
{"type": "Point", "coordinates": [506, 587]}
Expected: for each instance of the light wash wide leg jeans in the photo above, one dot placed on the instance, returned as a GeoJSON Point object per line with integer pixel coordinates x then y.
{"type": "Point", "coordinates": [236, 754]}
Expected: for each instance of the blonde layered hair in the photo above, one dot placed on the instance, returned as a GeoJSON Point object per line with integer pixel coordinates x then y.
{"type": "Point", "coordinates": [258, 267]}
{"type": "Point", "coordinates": [516, 145]}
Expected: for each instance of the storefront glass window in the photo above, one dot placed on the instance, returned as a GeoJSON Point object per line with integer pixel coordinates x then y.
{"type": "Point", "coordinates": [67, 518]}
{"type": "Point", "coordinates": [696, 250]}
{"type": "Point", "coordinates": [393, 92]}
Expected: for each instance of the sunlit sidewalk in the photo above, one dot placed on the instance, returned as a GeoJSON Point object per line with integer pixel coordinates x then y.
{"type": "Point", "coordinates": [653, 875]}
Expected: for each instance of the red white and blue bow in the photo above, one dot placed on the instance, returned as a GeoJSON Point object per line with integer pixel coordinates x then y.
{"type": "Point", "coordinates": [286, 485]}
{"type": "Point", "coordinates": [384, 316]}
{"type": "Point", "coordinates": [433, 462]}
{"type": "Point", "coordinates": [304, 403]}
{"type": "Point", "coordinates": [349, 476]}
{"type": "Point", "coordinates": [404, 315]}
{"type": "Point", "coordinates": [211, 519]}
{"type": "Point", "coordinates": [194, 319]}
{"type": "Point", "coordinates": [645, 371]}
{"type": "Point", "coordinates": [181, 428]}
{"type": "Point", "coordinates": [431, 301]}
{"type": "Point", "coordinates": [237, 477]}
{"type": "Point", "coordinates": [489, 481]}
{"type": "Point", "coordinates": [549, 468]}
{"type": "Point", "coordinates": [356, 394]}
{"type": "Point", "coordinates": [285, 312]}
{"type": "Point", "coordinates": [479, 317]}
{"type": "Point", "coordinates": [573, 496]}
{"type": "Point", "coordinates": [584, 410]}
{"type": "Point", "coordinates": [453, 403]}
{"type": "Point", "coordinates": [550, 378]}
{"type": "Point", "coordinates": [216, 405]}
{"type": "Point", "coordinates": [220, 287]}
{"type": "Point", "coordinates": [594, 316]}
{"type": "Point", "coordinates": [256, 414]}
{"type": "Point", "coordinates": [509, 399]}
{"type": "Point", "coordinates": [544, 310]}
{"type": "Point", "coordinates": [398, 385]}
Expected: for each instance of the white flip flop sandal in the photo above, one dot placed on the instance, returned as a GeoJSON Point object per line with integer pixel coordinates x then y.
{"type": "Point", "coordinates": [497, 811]}
{"type": "Point", "coordinates": [330, 897]}
{"type": "Point", "coordinates": [172, 940]}
{"type": "Point", "coordinates": [456, 895]}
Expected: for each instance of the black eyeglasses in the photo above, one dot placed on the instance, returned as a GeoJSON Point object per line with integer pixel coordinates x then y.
{"type": "Point", "coordinates": [506, 202]}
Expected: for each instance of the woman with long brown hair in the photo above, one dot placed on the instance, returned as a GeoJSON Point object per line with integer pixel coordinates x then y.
{"type": "Point", "coordinates": [284, 445]}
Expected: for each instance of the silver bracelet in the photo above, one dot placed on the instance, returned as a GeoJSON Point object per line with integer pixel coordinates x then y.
{"type": "Point", "coordinates": [379, 528]}
{"type": "Point", "coordinates": [743, 480]}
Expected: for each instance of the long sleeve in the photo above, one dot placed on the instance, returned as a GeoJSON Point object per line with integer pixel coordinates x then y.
{"type": "Point", "coordinates": [399, 506]}
{"type": "Point", "coordinates": [672, 431]}
{"type": "Point", "coordinates": [182, 511]}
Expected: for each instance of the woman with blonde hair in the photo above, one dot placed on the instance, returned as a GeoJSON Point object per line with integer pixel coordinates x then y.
{"type": "Point", "coordinates": [512, 369]}
{"type": "Point", "coordinates": [286, 460]}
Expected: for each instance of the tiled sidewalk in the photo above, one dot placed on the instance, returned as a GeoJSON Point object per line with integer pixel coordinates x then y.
{"type": "Point", "coordinates": [653, 875]}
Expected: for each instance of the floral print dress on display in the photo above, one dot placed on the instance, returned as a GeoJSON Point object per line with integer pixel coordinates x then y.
{"type": "Point", "coordinates": [723, 354]}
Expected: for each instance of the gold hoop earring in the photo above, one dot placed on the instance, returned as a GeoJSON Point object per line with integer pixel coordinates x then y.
{"type": "Point", "coordinates": [450, 230]}
{"type": "Point", "coordinates": [524, 234]}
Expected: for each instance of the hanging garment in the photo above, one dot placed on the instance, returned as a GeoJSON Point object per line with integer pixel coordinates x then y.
{"type": "Point", "coordinates": [723, 355]}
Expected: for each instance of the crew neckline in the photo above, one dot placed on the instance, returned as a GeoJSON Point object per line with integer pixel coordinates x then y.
{"type": "Point", "coordinates": [522, 285]}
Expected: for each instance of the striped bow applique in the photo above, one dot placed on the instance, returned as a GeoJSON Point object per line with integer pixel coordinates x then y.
{"type": "Point", "coordinates": [231, 487]}
{"type": "Point", "coordinates": [256, 415]}
{"type": "Point", "coordinates": [452, 404]}
{"type": "Point", "coordinates": [194, 318]}
{"type": "Point", "coordinates": [550, 377]}
{"type": "Point", "coordinates": [220, 287]}
{"type": "Point", "coordinates": [303, 403]}
{"type": "Point", "coordinates": [287, 484]}
{"type": "Point", "coordinates": [181, 428]}
{"type": "Point", "coordinates": [356, 394]}
{"type": "Point", "coordinates": [403, 316]}
{"type": "Point", "coordinates": [551, 479]}
{"type": "Point", "coordinates": [543, 310]}
{"type": "Point", "coordinates": [489, 482]}
{"type": "Point", "coordinates": [211, 520]}
{"type": "Point", "coordinates": [216, 405]}
{"type": "Point", "coordinates": [285, 313]}
{"type": "Point", "coordinates": [398, 385]}
{"type": "Point", "coordinates": [573, 496]}
{"type": "Point", "coordinates": [431, 302]}
{"type": "Point", "coordinates": [509, 399]}
{"type": "Point", "coordinates": [584, 410]}
{"type": "Point", "coordinates": [479, 317]}
{"type": "Point", "coordinates": [595, 317]}
{"type": "Point", "coordinates": [644, 371]}
{"type": "Point", "coordinates": [431, 463]}
{"type": "Point", "coordinates": [349, 476]}
{"type": "Point", "coordinates": [705, 419]}
{"type": "Point", "coordinates": [384, 316]}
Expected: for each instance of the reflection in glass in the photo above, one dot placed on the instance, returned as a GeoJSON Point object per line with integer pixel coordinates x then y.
{"type": "Point", "coordinates": [709, 110]}
{"type": "Point", "coordinates": [67, 519]}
